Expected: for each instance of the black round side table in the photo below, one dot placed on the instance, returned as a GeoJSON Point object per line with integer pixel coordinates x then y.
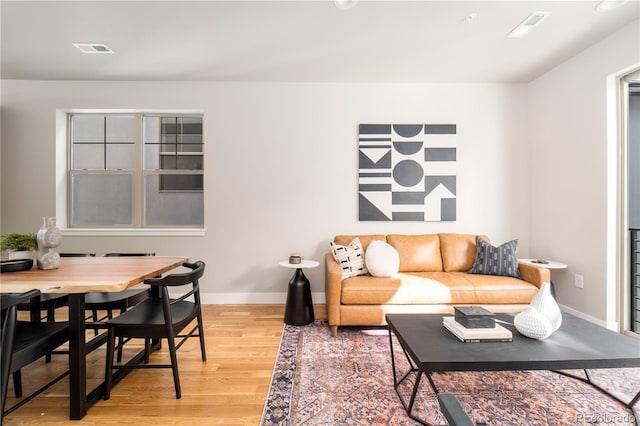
{"type": "Point", "coordinates": [299, 308]}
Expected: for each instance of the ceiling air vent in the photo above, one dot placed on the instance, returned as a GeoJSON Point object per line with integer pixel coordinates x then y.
{"type": "Point", "coordinates": [532, 21]}
{"type": "Point", "coordinates": [93, 47]}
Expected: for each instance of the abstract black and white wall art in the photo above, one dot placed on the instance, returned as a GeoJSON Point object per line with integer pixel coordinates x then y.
{"type": "Point", "coordinates": [407, 172]}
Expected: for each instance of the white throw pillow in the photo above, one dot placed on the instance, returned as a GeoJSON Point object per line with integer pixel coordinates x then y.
{"type": "Point", "coordinates": [382, 259]}
{"type": "Point", "coordinates": [350, 258]}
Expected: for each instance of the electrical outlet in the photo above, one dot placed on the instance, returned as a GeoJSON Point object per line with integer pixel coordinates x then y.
{"type": "Point", "coordinates": [579, 281]}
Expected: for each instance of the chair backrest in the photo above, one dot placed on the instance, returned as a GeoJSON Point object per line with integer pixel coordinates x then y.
{"type": "Point", "coordinates": [176, 280]}
{"type": "Point", "coordinates": [128, 254]}
{"type": "Point", "coordinates": [77, 255]}
{"type": "Point", "coordinates": [8, 300]}
{"type": "Point", "coordinates": [8, 307]}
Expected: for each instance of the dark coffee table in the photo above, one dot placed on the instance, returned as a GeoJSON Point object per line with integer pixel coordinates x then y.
{"type": "Point", "coordinates": [578, 344]}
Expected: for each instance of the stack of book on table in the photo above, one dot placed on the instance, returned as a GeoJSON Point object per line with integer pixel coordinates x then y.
{"type": "Point", "coordinates": [476, 324]}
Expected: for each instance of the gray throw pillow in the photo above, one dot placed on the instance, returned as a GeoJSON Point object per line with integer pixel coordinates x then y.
{"type": "Point", "coordinates": [491, 260]}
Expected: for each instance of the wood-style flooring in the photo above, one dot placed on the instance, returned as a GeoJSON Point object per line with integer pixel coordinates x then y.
{"type": "Point", "coordinates": [230, 388]}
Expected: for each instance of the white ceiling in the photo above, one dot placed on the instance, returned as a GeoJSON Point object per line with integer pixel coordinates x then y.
{"type": "Point", "coordinates": [304, 40]}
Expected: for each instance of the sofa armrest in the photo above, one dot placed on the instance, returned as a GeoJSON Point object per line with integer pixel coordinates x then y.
{"type": "Point", "coordinates": [535, 275]}
{"type": "Point", "coordinates": [333, 289]}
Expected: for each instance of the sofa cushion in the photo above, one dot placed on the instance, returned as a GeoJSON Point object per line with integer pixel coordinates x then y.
{"type": "Point", "coordinates": [458, 251]}
{"type": "Point", "coordinates": [420, 288]}
{"type": "Point", "coordinates": [350, 258]}
{"type": "Point", "coordinates": [382, 259]}
{"type": "Point", "coordinates": [364, 239]}
{"type": "Point", "coordinates": [498, 290]}
{"type": "Point", "coordinates": [491, 260]}
{"type": "Point", "coordinates": [418, 253]}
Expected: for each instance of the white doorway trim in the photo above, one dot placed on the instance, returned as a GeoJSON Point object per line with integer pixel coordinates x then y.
{"type": "Point", "coordinates": [618, 244]}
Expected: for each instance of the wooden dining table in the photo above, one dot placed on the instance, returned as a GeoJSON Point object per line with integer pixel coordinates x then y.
{"type": "Point", "coordinates": [76, 277]}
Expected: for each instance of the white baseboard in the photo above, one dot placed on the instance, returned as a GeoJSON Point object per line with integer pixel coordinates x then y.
{"type": "Point", "coordinates": [252, 298]}
{"type": "Point", "coordinates": [281, 299]}
{"type": "Point", "coordinates": [614, 326]}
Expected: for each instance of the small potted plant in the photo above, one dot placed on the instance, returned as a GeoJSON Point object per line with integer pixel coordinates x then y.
{"type": "Point", "coordinates": [19, 246]}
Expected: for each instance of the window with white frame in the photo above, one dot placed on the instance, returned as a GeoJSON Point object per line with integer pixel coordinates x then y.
{"type": "Point", "coordinates": [136, 171]}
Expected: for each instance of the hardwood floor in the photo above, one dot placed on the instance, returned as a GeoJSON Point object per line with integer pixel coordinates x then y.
{"type": "Point", "coordinates": [230, 388]}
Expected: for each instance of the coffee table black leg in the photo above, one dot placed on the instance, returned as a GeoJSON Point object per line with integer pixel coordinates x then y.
{"type": "Point", "coordinates": [635, 411]}
{"type": "Point", "coordinates": [414, 392]}
{"type": "Point", "coordinates": [408, 408]}
{"type": "Point", "coordinates": [412, 368]}
{"type": "Point", "coordinates": [630, 405]}
{"type": "Point", "coordinates": [393, 361]}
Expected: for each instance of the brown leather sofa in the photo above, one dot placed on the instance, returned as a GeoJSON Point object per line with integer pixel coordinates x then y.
{"type": "Point", "coordinates": [432, 278]}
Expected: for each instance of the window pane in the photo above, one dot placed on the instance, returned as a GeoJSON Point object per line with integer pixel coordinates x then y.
{"type": "Point", "coordinates": [192, 139]}
{"type": "Point", "coordinates": [88, 128]}
{"type": "Point", "coordinates": [121, 128]}
{"type": "Point", "coordinates": [169, 143]}
{"type": "Point", "coordinates": [181, 162]}
{"type": "Point", "coordinates": [120, 156]}
{"type": "Point", "coordinates": [169, 162]}
{"type": "Point", "coordinates": [190, 147]}
{"type": "Point", "coordinates": [172, 208]}
{"type": "Point", "coordinates": [181, 183]}
{"type": "Point", "coordinates": [169, 146]}
{"type": "Point", "coordinates": [192, 125]}
{"type": "Point", "coordinates": [101, 199]}
{"type": "Point", "coordinates": [189, 162]}
{"type": "Point", "coordinates": [169, 125]}
{"type": "Point", "coordinates": [88, 156]}
{"type": "Point", "coordinates": [152, 156]}
{"type": "Point", "coordinates": [151, 129]}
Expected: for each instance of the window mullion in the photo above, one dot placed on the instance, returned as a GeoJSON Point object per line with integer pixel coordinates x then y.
{"type": "Point", "coordinates": [138, 177]}
{"type": "Point", "coordinates": [104, 143]}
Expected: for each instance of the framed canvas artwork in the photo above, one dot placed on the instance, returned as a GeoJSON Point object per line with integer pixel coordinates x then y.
{"type": "Point", "coordinates": [407, 172]}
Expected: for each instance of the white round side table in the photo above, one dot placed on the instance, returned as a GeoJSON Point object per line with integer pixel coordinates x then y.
{"type": "Point", "coordinates": [299, 308]}
{"type": "Point", "coordinates": [549, 264]}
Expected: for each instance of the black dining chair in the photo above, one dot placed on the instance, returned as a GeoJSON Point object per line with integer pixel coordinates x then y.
{"type": "Point", "coordinates": [115, 301]}
{"type": "Point", "coordinates": [160, 318]}
{"type": "Point", "coordinates": [453, 411]}
{"type": "Point", "coordinates": [24, 342]}
{"type": "Point", "coordinates": [77, 255]}
{"type": "Point", "coordinates": [48, 302]}
{"type": "Point", "coordinates": [121, 300]}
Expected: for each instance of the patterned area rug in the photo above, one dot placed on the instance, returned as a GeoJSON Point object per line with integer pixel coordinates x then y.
{"type": "Point", "coordinates": [348, 380]}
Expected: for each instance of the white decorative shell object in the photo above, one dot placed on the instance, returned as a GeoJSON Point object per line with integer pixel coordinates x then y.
{"type": "Point", "coordinates": [532, 323]}
{"type": "Point", "coordinates": [547, 306]}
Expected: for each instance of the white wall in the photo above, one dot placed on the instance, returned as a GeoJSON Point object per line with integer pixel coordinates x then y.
{"type": "Point", "coordinates": [281, 167]}
{"type": "Point", "coordinates": [570, 215]}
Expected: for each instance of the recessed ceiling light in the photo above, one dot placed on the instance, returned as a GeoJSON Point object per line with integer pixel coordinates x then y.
{"type": "Point", "coordinates": [607, 5]}
{"type": "Point", "coordinates": [93, 47]}
{"type": "Point", "coordinates": [532, 21]}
